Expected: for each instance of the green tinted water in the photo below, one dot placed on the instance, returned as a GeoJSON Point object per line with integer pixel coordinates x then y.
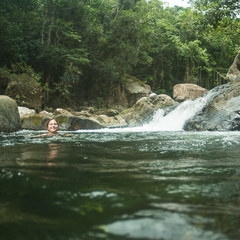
{"type": "Point", "coordinates": [142, 185]}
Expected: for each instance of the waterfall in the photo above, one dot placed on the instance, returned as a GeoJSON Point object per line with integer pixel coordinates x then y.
{"type": "Point", "coordinates": [176, 119]}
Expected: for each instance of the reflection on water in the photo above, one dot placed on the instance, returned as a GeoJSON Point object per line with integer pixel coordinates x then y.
{"type": "Point", "coordinates": [120, 185]}
{"type": "Point", "coordinates": [53, 153]}
{"type": "Point", "coordinates": [157, 223]}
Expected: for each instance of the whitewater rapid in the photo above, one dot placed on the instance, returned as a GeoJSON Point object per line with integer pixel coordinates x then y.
{"type": "Point", "coordinates": [172, 121]}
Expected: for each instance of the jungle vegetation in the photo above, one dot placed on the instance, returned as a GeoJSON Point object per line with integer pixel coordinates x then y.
{"type": "Point", "coordinates": [80, 49]}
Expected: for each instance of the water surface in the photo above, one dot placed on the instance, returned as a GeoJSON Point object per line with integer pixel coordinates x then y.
{"type": "Point", "coordinates": [120, 185]}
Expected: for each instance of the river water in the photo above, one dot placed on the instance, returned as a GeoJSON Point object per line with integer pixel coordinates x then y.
{"type": "Point", "coordinates": [123, 184]}
{"type": "Point", "coordinates": [153, 182]}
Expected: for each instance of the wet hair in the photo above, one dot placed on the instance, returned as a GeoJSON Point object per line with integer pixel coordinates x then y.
{"type": "Point", "coordinates": [49, 120]}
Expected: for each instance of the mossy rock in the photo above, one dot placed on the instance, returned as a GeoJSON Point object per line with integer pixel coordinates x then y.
{"type": "Point", "coordinates": [33, 122]}
{"type": "Point", "coordinates": [25, 90]}
{"type": "Point", "coordinates": [9, 115]}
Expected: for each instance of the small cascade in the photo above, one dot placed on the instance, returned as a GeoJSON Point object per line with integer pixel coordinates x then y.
{"type": "Point", "coordinates": [176, 119]}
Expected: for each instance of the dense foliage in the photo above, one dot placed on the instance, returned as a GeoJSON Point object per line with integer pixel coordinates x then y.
{"type": "Point", "coordinates": [81, 48]}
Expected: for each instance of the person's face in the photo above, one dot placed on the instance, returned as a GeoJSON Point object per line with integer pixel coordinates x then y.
{"type": "Point", "coordinates": [52, 126]}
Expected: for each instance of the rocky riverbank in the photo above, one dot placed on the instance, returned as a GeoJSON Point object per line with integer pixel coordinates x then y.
{"type": "Point", "coordinates": [90, 118]}
{"type": "Point", "coordinates": [222, 112]}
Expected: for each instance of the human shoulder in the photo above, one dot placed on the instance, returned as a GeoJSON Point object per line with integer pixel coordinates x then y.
{"type": "Point", "coordinates": [40, 135]}
{"type": "Point", "coordinates": [50, 135]}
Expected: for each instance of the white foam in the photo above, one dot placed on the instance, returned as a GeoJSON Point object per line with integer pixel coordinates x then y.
{"type": "Point", "coordinates": [173, 121]}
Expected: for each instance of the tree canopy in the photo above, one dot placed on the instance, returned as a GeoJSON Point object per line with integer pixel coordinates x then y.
{"type": "Point", "coordinates": [81, 49]}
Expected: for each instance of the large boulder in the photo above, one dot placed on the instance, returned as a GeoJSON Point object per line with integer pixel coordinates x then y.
{"type": "Point", "coordinates": [187, 91]}
{"type": "Point", "coordinates": [32, 120]}
{"type": "Point", "coordinates": [25, 110]}
{"type": "Point", "coordinates": [144, 109]}
{"type": "Point", "coordinates": [25, 90]}
{"type": "Point", "coordinates": [77, 123]}
{"type": "Point", "coordinates": [109, 118]}
{"type": "Point", "coordinates": [112, 122]}
{"type": "Point", "coordinates": [221, 113]}
{"type": "Point", "coordinates": [135, 89]}
{"type": "Point", "coordinates": [234, 71]}
{"type": "Point", "coordinates": [66, 120]}
{"type": "Point", "coordinates": [116, 97]}
{"type": "Point", "coordinates": [98, 119]}
{"type": "Point", "coordinates": [9, 115]}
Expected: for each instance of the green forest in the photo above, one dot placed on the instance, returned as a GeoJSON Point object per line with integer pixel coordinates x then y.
{"type": "Point", "coordinates": [79, 50]}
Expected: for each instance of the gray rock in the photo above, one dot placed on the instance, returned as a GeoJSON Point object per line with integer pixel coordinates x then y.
{"type": "Point", "coordinates": [135, 89]}
{"type": "Point", "coordinates": [125, 94]}
{"type": "Point", "coordinates": [25, 90]}
{"type": "Point", "coordinates": [234, 71]}
{"type": "Point", "coordinates": [76, 123]}
{"type": "Point", "coordinates": [186, 91]}
{"type": "Point", "coordinates": [221, 113]}
{"type": "Point", "coordinates": [145, 107]}
{"type": "Point", "coordinates": [25, 110]}
{"type": "Point", "coordinates": [66, 122]}
{"type": "Point", "coordinates": [9, 115]}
